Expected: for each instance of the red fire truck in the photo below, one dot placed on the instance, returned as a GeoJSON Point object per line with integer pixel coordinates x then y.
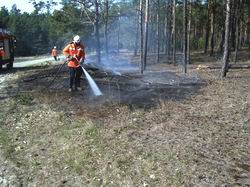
{"type": "Point", "coordinates": [7, 48]}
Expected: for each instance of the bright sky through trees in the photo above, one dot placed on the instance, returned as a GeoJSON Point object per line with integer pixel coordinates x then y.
{"type": "Point", "coordinates": [23, 5]}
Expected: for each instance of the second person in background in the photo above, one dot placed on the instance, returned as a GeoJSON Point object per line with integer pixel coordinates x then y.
{"type": "Point", "coordinates": [54, 53]}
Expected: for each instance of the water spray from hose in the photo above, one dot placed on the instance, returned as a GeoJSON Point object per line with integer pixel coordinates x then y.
{"type": "Point", "coordinates": [92, 83]}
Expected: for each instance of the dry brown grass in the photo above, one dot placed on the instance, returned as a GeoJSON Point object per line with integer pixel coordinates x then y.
{"type": "Point", "coordinates": [201, 139]}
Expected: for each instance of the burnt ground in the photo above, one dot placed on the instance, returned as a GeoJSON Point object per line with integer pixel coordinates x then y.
{"type": "Point", "coordinates": [160, 129]}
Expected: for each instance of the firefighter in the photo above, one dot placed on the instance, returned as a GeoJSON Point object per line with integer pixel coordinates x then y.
{"type": "Point", "coordinates": [54, 53]}
{"type": "Point", "coordinates": [75, 55]}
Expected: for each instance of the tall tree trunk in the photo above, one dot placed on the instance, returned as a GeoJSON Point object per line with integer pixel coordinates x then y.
{"type": "Point", "coordinates": [166, 28]}
{"type": "Point", "coordinates": [238, 6]}
{"type": "Point", "coordinates": [241, 34]}
{"type": "Point", "coordinates": [195, 29]}
{"type": "Point", "coordinates": [185, 36]}
{"type": "Point", "coordinates": [152, 35]}
{"type": "Point", "coordinates": [207, 27]}
{"type": "Point", "coordinates": [248, 24]}
{"type": "Point", "coordinates": [136, 38]}
{"type": "Point", "coordinates": [170, 34]}
{"type": "Point", "coordinates": [226, 44]}
{"type": "Point", "coordinates": [158, 31]}
{"type": "Point", "coordinates": [137, 31]}
{"type": "Point", "coordinates": [106, 26]}
{"type": "Point", "coordinates": [245, 36]}
{"type": "Point", "coordinates": [212, 27]}
{"type": "Point", "coordinates": [222, 40]}
{"type": "Point", "coordinates": [146, 34]}
{"type": "Point", "coordinates": [97, 34]}
{"type": "Point", "coordinates": [141, 33]}
{"type": "Point", "coordinates": [232, 25]}
{"type": "Point", "coordinates": [189, 31]}
{"type": "Point", "coordinates": [118, 34]}
{"type": "Point", "coordinates": [173, 32]}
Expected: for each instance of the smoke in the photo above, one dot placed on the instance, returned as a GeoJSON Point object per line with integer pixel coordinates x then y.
{"type": "Point", "coordinates": [121, 45]}
{"type": "Point", "coordinates": [116, 63]}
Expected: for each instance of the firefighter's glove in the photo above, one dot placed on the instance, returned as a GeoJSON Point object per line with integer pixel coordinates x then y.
{"type": "Point", "coordinates": [69, 58]}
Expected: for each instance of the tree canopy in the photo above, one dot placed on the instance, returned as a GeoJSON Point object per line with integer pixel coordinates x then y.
{"type": "Point", "coordinates": [38, 31]}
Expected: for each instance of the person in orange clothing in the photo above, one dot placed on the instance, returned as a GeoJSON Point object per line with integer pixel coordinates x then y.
{"type": "Point", "coordinates": [75, 55]}
{"type": "Point", "coordinates": [54, 53]}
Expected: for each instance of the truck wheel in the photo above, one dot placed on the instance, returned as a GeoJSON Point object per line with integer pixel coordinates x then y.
{"type": "Point", "coordinates": [10, 65]}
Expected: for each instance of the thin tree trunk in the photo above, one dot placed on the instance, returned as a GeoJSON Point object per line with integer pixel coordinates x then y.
{"type": "Point", "coordinates": [241, 35]}
{"type": "Point", "coordinates": [233, 24]}
{"type": "Point", "coordinates": [97, 34]}
{"type": "Point", "coordinates": [195, 29]}
{"type": "Point", "coordinates": [185, 36]}
{"type": "Point", "coordinates": [152, 35]}
{"type": "Point", "coordinates": [166, 29]}
{"type": "Point", "coordinates": [165, 46]}
{"type": "Point", "coordinates": [146, 33]}
{"type": "Point", "coordinates": [118, 35]}
{"type": "Point", "coordinates": [212, 27]}
{"type": "Point", "coordinates": [242, 25]}
{"type": "Point", "coordinates": [207, 27]}
{"type": "Point", "coordinates": [238, 5]}
{"type": "Point", "coordinates": [222, 40]}
{"type": "Point", "coordinates": [189, 31]}
{"type": "Point", "coordinates": [173, 32]}
{"type": "Point", "coordinates": [245, 36]}
{"type": "Point", "coordinates": [226, 44]}
{"type": "Point", "coordinates": [136, 39]}
{"type": "Point", "coordinates": [158, 31]}
{"type": "Point", "coordinates": [141, 32]}
{"type": "Point", "coordinates": [170, 34]}
{"type": "Point", "coordinates": [137, 31]}
{"type": "Point", "coordinates": [248, 24]}
{"type": "Point", "coordinates": [106, 27]}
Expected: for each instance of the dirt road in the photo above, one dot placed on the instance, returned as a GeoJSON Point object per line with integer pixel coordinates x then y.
{"type": "Point", "coordinates": [35, 61]}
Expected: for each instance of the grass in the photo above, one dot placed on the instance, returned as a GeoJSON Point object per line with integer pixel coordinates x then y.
{"type": "Point", "coordinates": [24, 99]}
{"type": "Point", "coordinates": [6, 144]}
{"type": "Point", "coordinates": [84, 139]}
{"type": "Point", "coordinates": [5, 140]}
{"type": "Point", "coordinates": [176, 143]}
{"type": "Point", "coordinates": [108, 155]}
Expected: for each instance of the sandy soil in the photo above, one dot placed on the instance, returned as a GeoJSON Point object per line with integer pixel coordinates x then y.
{"type": "Point", "coordinates": [160, 129]}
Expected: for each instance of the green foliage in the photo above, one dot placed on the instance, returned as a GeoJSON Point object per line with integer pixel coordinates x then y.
{"type": "Point", "coordinates": [4, 17]}
{"type": "Point", "coordinates": [24, 99]}
{"type": "Point", "coordinates": [38, 31]}
{"type": "Point", "coordinates": [197, 43]}
{"type": "Point", "coordinates": [194, 42]}
{"type": "Point", "coordinates": [201, 43]}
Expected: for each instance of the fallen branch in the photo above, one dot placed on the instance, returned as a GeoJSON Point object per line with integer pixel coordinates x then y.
{"type": "Point", "coordinates": [231, 66]}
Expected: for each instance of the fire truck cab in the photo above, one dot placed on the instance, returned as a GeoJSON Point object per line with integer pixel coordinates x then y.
{"type": "Point", "coordinates": [7, 48]}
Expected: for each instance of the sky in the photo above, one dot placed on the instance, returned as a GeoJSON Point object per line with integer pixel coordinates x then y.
{"type": "Point", "coordinates": [23, 5]}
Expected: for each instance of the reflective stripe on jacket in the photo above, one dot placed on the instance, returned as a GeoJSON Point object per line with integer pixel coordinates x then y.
{"type": "Point", "coordinates": [76, 51]}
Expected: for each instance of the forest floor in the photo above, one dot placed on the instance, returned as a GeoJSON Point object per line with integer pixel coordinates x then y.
{"type": "Point", "coordinates": [160, 129]}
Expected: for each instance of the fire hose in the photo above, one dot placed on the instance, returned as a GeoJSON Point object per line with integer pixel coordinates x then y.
{"type": "Point", "coordinates": [92, 84]}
